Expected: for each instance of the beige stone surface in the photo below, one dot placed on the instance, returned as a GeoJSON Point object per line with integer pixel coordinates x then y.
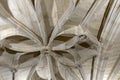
{"type": "Point", "coordinates": [59, 40]}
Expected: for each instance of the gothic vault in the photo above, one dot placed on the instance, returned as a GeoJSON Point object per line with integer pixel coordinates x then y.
{"type": "Point", "coordinates": [59, 39]}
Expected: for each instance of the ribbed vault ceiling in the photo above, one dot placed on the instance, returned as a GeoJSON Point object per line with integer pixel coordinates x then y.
{"type": "Point", "coordinates": [59, 40]}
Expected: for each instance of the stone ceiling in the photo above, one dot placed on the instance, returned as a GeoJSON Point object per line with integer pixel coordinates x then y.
{"type": "Point", "coordinates": [59, 40]}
